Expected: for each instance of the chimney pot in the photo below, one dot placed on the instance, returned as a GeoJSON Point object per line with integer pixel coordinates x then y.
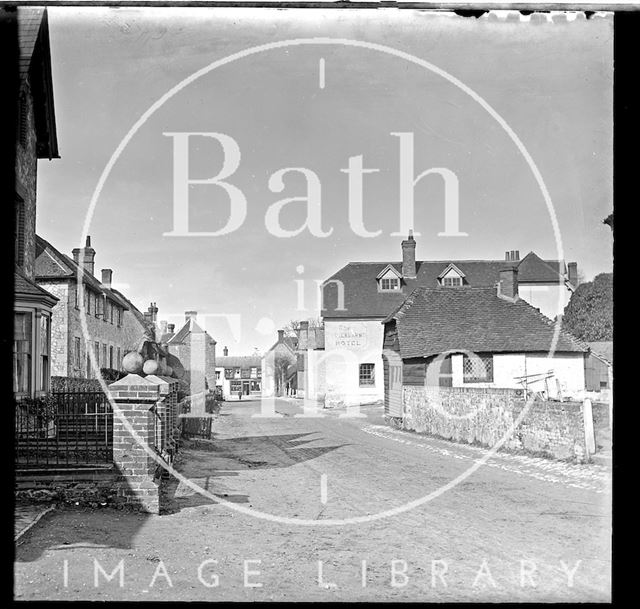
{"type": "Point", "coordinates": [517, 255]}
{"type": "Point", "coordinates": [507, 256]}
{"type": "Point", "coordinates": [409, 257]}
{"type": "Point", "coordinates": [85, 256]}
{"type": "Point", "coordinates": [508, 285]}
{"type": "Point", "coordinates": [225, 352]}
{"type": "Point", "coordinates": [171, 328]}
{"type": "Point", "coordinates": [280, 335]}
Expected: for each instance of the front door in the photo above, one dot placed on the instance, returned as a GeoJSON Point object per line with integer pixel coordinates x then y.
{"type": "Point", "coordinates": [245, 387]}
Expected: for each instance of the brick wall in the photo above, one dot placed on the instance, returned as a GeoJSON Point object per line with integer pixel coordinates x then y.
{"type": "Point", "coordinates": [484, 416]}
{"type": "Point", "coordinates": [183, 353]}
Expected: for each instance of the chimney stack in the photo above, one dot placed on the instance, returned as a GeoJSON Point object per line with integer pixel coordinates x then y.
{"type": "Point", "coordinates": [153, 311]}
{"type": "Point", "coordinates": [225, 352]}
{"type": "Point", "coordinates": [409, 257]}
{"type": "Point", "coordinates": [190, 315]}
{"type": "Point", "coordinates": [85, 256]}
{"type": "Point", "coordinates": [107, 276]}
{"type": "Point", "coordinates": [508, 285]}
{"type": "Point", "coordinates": [280, 335]}
{"type": "Point", "coordinates": [171, 328]}
{"type": "Point", "coordinates": [573, 274]}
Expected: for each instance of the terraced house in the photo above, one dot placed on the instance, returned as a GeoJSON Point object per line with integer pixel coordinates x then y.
{"type": "Point", "coordinates": [114, 324]}
{"type": "Point", "coordinates": [35, 139]}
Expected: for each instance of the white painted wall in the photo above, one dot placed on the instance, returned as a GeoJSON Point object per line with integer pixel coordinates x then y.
{"type": "Point", "coordinates": [550, 299]}
{"type": "Point", "coordinates": [568, 369]}
{"type": "Point", "coordinates": [348, 344]}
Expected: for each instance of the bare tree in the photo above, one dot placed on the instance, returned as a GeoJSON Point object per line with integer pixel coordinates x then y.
{"type": "Point", "coordinates": [291, 326]}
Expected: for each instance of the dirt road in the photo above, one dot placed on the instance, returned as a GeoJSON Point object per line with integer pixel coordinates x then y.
{"type": "Point", "coordinates": [518, 528]}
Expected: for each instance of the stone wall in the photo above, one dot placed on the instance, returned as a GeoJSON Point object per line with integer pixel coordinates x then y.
{"type": "Point", "coordinates": [26, 177]}
{"type": "Point", "coordinates": [484, 416]}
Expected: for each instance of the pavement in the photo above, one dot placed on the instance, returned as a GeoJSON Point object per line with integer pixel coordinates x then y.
{"type": "Point", "coordinates": [26, 515]}
{"type": "Point", "coordinates": [335, 508]}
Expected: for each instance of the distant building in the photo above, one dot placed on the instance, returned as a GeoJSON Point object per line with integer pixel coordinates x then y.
{"type": "Point", "coordinates": [279, 366]}
{"type": "Point", "coordinates": [309, 361]}
{"type": "Point", "coordinates": [478, 338]}
{"type": "Point", "coordinates": [114, 324]}
{"type": "Point", "coordinates": [35, 139]}
{"type": "Point", "coordinates": [239, 373]}
{"type": "Point", "coordinates": [196, 350]}
{"type": "Point", "coordinates": [599, 368]}
{"type": "Point", "coordinates": [361, 294]}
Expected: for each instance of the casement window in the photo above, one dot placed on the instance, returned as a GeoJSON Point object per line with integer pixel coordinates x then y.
{"type": "Point", "coordinates": [111, 357]}
{"type": "Point", "coordinates": [217, 375]}
{"type": "Point", "coordinates": [236, 386]}
{"type": "Point", "coordinates": [254, 373]}
{"type": "Point", "coordinates": [389, 284]}
{"type": "Point", "coordinates": [87, 302]}
{"type": "Point", "coordinates": [119, 317]}
{"type": "Point", "coordinates": [22, 348]}
{"type": "Point", "coordinates": [228, 373]}
{"type": "Point", "coordinates": [77, 353]}
{"type": "Point", "coordinates": [245, 373]}
{"type": "Point", "coordinates": [104, 355]}
{"type": "Point", "coordinates": [255, 385]}
{"type": "Point", "coordinates": [118, 359]}
{"type": "Point", "coordinates": [366, 375]}
{"type": "Point", "coordinates": [477, 369]}
{"type": "Point", "coordinates": [259, 373]}
{"type": "Point", "coordinates": [452, 282]}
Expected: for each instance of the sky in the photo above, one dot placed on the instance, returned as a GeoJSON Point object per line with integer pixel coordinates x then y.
{"type": "Point", "coordinates": [313, 107]}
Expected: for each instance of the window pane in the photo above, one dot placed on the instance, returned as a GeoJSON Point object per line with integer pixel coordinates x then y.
{"type": "Point", "coordinates": [366, 374]}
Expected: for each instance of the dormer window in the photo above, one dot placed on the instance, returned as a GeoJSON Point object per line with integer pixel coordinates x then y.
{"type": "Point", "coordinates": [451, 277]}
{"type": "Point", "coordinates": [451, 282]}
{"type": "Point", "coordinates": [388, 280]}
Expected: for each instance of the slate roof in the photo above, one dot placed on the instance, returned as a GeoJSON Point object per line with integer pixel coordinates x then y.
{"type": "Point", "coordinates": [239, 361]}
{"type": "Point", "coordinates": [34, 48]}
{"type": "Point", "coordinates": [436, 320]}
{"type": "Point", "coordinates": [190, 327]}
{"type": "Point", "coordinates": [362, 298]}
{"type": "Point", "coordinates": [25, 287]}
{"type": "Point", "coordinates": [52, 265]}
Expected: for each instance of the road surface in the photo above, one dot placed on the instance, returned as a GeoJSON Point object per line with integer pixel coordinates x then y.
{"type": "Point", "coordinates": [312, 493]}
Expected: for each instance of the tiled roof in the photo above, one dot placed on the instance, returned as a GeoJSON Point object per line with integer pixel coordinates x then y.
{"type": "Point", "coordinates": [436, 320]}
{"type": "Point", "coordinates": [29, 22]}
{"type": "Point", "coordinates": [238, 361]}
{"type": "Point", "coordinates": [52, 264]}
{"type": "Point", "coordinates": [26, 287]}
{"type": "Point", "coordinates": [362, 298]}
{"type": "Point", "coordinates": [190, 327]}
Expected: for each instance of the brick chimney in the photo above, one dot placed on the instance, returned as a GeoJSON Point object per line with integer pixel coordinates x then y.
{"type": "Point", "coordinates": [107, 276]}
{"type": "Point", "coordinates": [280, 335]}
{"type": "Point", "coordinates": [85, 256]}
{"type": "Point", "coordinates": [190, 315]}
{"type": "Point", "coordinates": [508, 285]}
{"type": "Point", "coordinates": [153, 311]}
{"type": "Point", "coordinates": [225, 352]}
{"type": "Point", "coordinates": [572, 268]}
{"type": "Point", "coordinates": [409, 257]}
{"type": "Point", "coordinates": [171, 328]}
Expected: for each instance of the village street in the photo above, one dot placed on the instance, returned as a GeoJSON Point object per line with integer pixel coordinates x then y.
{"type": "Point", "coordinates": [518, 528]}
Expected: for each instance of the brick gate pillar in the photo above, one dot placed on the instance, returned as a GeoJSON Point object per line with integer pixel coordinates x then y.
{"type": "Point", "coordinates": [136, 397]}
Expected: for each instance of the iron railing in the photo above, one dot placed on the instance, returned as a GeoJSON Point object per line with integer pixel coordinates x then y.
{"type": "Point", "coordinates": [67, 429]}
